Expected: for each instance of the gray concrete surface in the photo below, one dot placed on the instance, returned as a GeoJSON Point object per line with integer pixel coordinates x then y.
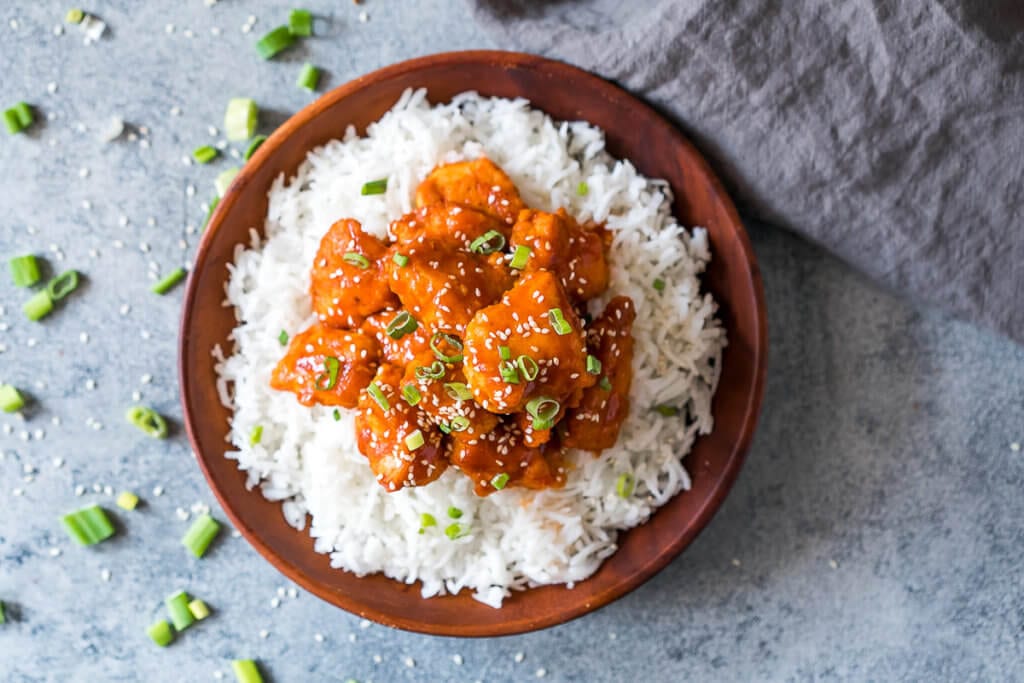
{"type": "Point", "coordinates": [875, 533]}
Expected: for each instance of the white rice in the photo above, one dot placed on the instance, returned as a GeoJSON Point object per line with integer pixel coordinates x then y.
{"type": "Point", "coordinates": [516, 539]}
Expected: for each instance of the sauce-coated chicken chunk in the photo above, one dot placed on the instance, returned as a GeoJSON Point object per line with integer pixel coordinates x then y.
{"type": "Point", "coordinates": [477, 183]}
{"type": "Point", "coordinates": [576, 253]}
{"type": "Point", "coordinates": [327, 366]}
{"type": "Point", "coordinates": [447, 399]}
{"type": "Point", "coordinates": [501, 459]}
{"type": "Point", "coordinates": [396, 350]}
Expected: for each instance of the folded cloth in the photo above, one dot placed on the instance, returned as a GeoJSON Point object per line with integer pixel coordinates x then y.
{"type": "Point", "coordinates": [889, 131]}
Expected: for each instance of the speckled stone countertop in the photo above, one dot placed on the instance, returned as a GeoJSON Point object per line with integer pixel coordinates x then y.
{"type": "Point", "coordinates": [875, 533]}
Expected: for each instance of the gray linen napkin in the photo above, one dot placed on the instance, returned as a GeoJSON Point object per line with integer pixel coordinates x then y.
{"type": "Point", "coordinates": [889, 131]}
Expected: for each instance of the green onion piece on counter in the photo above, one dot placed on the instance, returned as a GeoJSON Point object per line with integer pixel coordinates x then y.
{"type": "Point", "coordinates": [453, 531]}
{"type": "Point", "coordinates": [246, 671]}
{"type": "Point", "coordinates": [605, 383]}
{"type": "Point", "coordinates": [433, 371]}
{"type": "Point", "coordinates": [543, 411]}
{"type": "Point", "coordinates": [177, 609]}
{"type": "Point", "coordinates": [198, 609]}
{"type": "Point", "coordinates": [200, 535]}
{"type": "Point", "coordinates": [240, 119]}
{"type": "Point", "coordinates": [256, 436]}
{"type": "Point", "coordinates": [593, 365]}
{"type": "Point", "coordinates": [625, 485]}
{"type": "Point", "coordinates": [167, 283]}
{"type": "Point", "coordinates": [21, 115]}
{"type": "Point", "coordinates": [528, 366]}
{"type": "Point", "coordinates": [126, 500]}
{"type": "Point", "coordinates": [223, 181]}
{"type": "Point", "coordinates": [509, 373]}
{"type": "Point", "coordinates": [454, 512]}
{"type": "Point", "coordinates": [24, 270]}
{"type": "Point", "coordinates": [401, 260]}
{"type": "Point", "coordinates": [160, 633]}
{"type": "Point", "coordinates": [205, 154]}
{"type": "Point", "coordinates": [658, 284]}
{"type": "Point", "coordinates": [427, 520]}
{"type": "Point", "coordinates": [283, 338]}
{"type": "Point", "coordinates": [459, 423]}
{"type": "Point", "coordinates": [582, 189]}
{"type": "Point", "coordinates": [666, 410]}
{"type": "Point", "coordinates": [458, 391]}
{"type": "Point", "coordinates": [62, 285]}
{"type": "Point", "coordinates": [275, 41]}
{"type": "Point", "coordinates": [148, 420]}
{"type": "Point", "coordinates": [11, 121]}
{"type": "Point", "coordinates": [309, 77]}
{"type": "Point", "coordinates": [74, 16]}
{"type": "Point", "coordinates": [209, 210]}
{"type": "Point", "coordinates": [337, 415]}
{"type": "Point", "coordinates": [558, 322]}
{"type": "Point", "coordinates": [449, 340]}
{"type": "Point", "coordinates": [488, 243]}
{"type": "Point", "coordinates": [411, 394]}
{"type": "Point", "coordinates": [11, 399]}
{"type": "Point", "coordinates": [326, 380]}
{"type": "Point", "coordinates": [254, 145]}
{"type": "Point", "coordinates": [401, 325]}
{"type": "Point", "coordinates": [357, 260]}
{"type": "Point", "coordinates": [499, 481]}
{"type": "Point", "coordinates": [88, 526]}
{"type": "Point", "coordinates": [414, 440]}
{"type": "Point", "coordinates": [300, 22]}
{"type": "Point", "coordinates": [504, 352]}
{"type": "Point", "coordinates": [375, 187]}
{"type": "Point", "coordinates": [39, 306]}
{"type": "Point", "coordinates": [520, 257]}
{"type": "Point", "coordinates": [377, 394]}
{"type": "Point", "coordinates": [3, 619]}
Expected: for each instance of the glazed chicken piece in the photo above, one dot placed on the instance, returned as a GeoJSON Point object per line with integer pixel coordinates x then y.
{"type": "Point", "coordinates": [594, 424]}
{"type": "Point", "coordinates": [574, 252]}
{"type": "Point", "coordinates": [477, 183]}
{"type": "Point", "coordinates": [398, 351]}
{"type": "Point", "coordinates": [346, 283]}
{"type": "Point", "coordinates": [402, 446]}
{"type": "Point", "coordinates": [446, 398]}
{"type": "Point", "coordinates": [544, 341]}
{"type": "Point", "coordinates": [453, 225]}
{"type": "Point", "coordinates": [501, 459]}
{"type": "Point", "coordinates": [327, 366]}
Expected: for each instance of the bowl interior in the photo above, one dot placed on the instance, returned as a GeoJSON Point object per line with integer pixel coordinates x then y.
{"type": "Point", "coordinates": [634, 131]}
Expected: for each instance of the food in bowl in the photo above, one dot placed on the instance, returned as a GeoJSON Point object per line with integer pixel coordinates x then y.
{"type": "Point", "coordinates": [472, 348]}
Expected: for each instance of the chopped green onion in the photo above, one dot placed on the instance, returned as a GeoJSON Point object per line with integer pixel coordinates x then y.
{"type": "Point", "coordinates": [411, 394]}
{"type": "Point", "coordinates": [377, 394]}
{"type": "Point", "coordinates": [509, 373]}
{"type": "Point", "coordinates": [300, 22]}
{"type": "Point", "coordinates": [74, 16]}
{"type": "Point", "coordinates": [127, 500]}
{"type": "Point", "coordinates": [582, 189]}
{"type": "Point", "coordinates": [458, 391]}
{"type": "Point", "coordinates": [543, 411]}
{"type": "Point", "coordinates": [400, 259]}
{"type": "Point", "coordinates": [433, 371]}
{"type": "Point", "coordinates": [3, 619]}
{"type": "Point", "coordinates": [39, 306]}
{"type": "Point", "coordinates": [209, 210]}
{"type": "Point", "coordinates": [499, 481]}
{"type": "Point", "coordinates": [205, 154]}
{"type": "Point", "coordinates": [354, 259]}
{"type": "Point", "coordinates": [401, 325]}
{"type": "Point", "coordinates": [454, 512]}
{"type": "Point", "coordinates": [658, 284]}
{"type": "Point", "coordinates": [200, 535]}
{"type": "Point", "coordinates": [528, 366]}
{"type": "Point", "coordinates": [283, 337]}
{"type": "Point", "coordinates": [488, 243]}
{"type": "Point", "coordinates": [198, 609]}
{"type": "Point", "coordinates": [279, 39]}
{"type": "Point", "coordinates": [246, 671]}
{"type": "Point", "coordinates": [88, 526]}
{"type": "Point", "coordinates": [177, 609]}
{"type": "Point", "coordinates": [148, 420]}
{"type": "Point", "coordinates": [459, 423]}
{"type": "Point", "coordinates": [414, 440]}
{"type": "Point", "coordinates": [18, 118]}
{"type": "Point", "coordinates": [504, 352]}
{"type": "Point", "coordinates": [256, 436]}
{"type": "Point", "coordinates": [160, 633]}
{"type": "Point", "coordinates": [375, 187]}
{"type": "Point", "coordinates": [240, 119]}
{"type": "Point", "coordinates": [337, 415]}
{"type": "Point", "coordinates": [453, 531]}
{"type": "Point", "coordinates": [625, 485]}
{"type": "Point", "coordinates": [11, 399]}
{"type": "Point", "coordinates": [11, 121]}
{"type": "Point", "coordinates": [666, 410]}
{"type": "Point", "coordinates": [167, 283]}
{"type": "Point", "coordinates": [223, 181]}
{"type": "Point", "coordinates": [24, 270]}
{"type": "Point", "coordinates": [593, 365]}
{"type": "Point", "coordinates": [62, 285]}
{"type": "Point", "coordinates": [558, 322]}
{"type": "Point", "coordinates": [426, 521]}
{"type": "Point", "coordinates": [309, 77]}
{"type": "Point", "coordinates": [520, 257]}
{"type": "Point", "coordinates": [452, 341]}
{"type": "Point", "coordinates": [254, 145]}
{"type": "Point", "coordinates": [326, 380]}
{"type": "Point", "coordinates": [445, 428]}
{"type": "Point", "coordinates": [605, 383]}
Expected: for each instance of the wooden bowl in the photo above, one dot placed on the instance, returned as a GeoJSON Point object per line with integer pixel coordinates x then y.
{"type": "Point", "coordinates": [634, 131]}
